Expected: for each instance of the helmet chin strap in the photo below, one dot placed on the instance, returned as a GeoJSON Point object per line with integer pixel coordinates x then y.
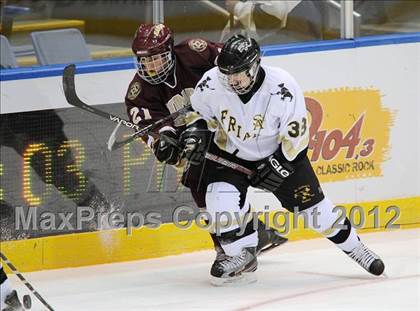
{"type": "Point", "coordinates": [174, 73]}
{"type": "Point", "coordinates": [252, 75]}
{"type": "Point", "coordinates": [175, 81]}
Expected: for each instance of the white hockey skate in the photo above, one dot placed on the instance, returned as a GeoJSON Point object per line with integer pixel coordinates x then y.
{"type": "Point", "coordinates": [235, 270]}
{"type": "Point", "coordinates": [367, 259]}
{"type": "Point", "coordinates": [268, 239]}
{"type": "Point", "coordinates": [220, 253]}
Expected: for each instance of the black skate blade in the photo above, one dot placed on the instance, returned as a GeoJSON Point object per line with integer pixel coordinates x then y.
{"type": "Point", "coordinates": [238, 280]}
{"type": "Point", "coordinates": [272, 246]}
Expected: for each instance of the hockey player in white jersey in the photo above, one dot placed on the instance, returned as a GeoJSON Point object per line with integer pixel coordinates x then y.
{"type": "Point", "coordinates": [256, 116]}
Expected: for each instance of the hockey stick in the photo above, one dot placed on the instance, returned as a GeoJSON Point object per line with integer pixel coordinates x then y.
{"type": "Point", "coordinates": [227, 163]}
{"type": "Point", "coordinates": [113, 144]}
{"type": "Point", "coordinates": [74, 100]}
{"type": "Point", "coordinates": [27, 284]}
{"type": "Point", "coordinates": [215, 158]}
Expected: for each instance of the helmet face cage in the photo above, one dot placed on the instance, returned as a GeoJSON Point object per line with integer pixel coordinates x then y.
{"type": "Point", "coordinates": [154, 69]}
{"type": "Point", "coordinates": [240, 82]}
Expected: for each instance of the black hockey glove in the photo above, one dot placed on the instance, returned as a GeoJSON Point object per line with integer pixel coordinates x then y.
{"type": "Point", "coordinates": [195, 140]}
{"type": "Point", "coordinates": [166, 148]}
{"type": "Point", "coordinates": [271, 172]}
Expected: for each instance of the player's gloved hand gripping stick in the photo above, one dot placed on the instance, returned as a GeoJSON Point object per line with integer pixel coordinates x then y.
{"type": "Point", "coordinates": [271, 172]}
{"type": "Point", "coordinates": [185, 150]}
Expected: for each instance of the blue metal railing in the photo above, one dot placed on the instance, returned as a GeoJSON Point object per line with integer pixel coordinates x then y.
{"type": "Point", "coordinates": [269, 50]}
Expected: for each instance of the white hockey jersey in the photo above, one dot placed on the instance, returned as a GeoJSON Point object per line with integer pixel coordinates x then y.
{"type": "Point", "coordinates": [275, 114]}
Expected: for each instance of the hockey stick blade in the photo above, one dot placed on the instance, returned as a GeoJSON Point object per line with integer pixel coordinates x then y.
{"type": "Point", "coordinates": [112, 137]}
{"type": "Point", "coordinates": [74, 100]}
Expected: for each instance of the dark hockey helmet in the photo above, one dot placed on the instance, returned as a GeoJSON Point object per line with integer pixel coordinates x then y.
{"type": "Point", "coordinates": [153, 47]}
{"type": "Point", "coordinates": [239, 62]}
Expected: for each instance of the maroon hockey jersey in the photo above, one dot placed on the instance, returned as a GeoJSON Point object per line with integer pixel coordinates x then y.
{"type": "Point", "coordinates": [147, 103]}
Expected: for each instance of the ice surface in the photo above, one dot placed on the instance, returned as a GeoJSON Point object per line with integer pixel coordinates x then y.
{"type": "Point", "coordinates": [303, 275]}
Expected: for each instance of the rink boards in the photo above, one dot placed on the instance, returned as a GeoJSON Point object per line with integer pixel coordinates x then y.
{"type": "Point", "coordinates": [363, 99]}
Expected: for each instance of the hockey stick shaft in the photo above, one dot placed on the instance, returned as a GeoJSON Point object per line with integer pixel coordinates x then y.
{"type": "Point", "coordinates": [227, 163]}
{"type": "Point", "coordinates": [144, 131]}
{"type": "Point", "coordinates": [215, 158]}
{"type": "Point", "coordinates": [27, 284]}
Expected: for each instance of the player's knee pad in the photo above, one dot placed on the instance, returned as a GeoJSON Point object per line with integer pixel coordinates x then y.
{"type": "Point", "coordinates": [321, 217]}
{"type": "Point", "coordinates": [227, 207]}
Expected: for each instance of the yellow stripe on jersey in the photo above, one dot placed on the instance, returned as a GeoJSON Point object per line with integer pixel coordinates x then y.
{"type": "Point", "coordinates": [221, 138]}
{"type": "Point", "coordinates": [192, 117]}
{"type": "Point", "coordinates": [213, 124]}
{"type": "Point", "coordinates": [289, 150]}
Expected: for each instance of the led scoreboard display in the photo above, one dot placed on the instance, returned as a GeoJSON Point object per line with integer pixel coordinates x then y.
{"type": "Point", "coordinates": [52, 159]}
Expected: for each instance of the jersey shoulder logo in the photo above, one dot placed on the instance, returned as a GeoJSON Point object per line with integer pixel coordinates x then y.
{"type": "Point", "coordinates": [134, 91]}
{"type": "Point", "coordinates": [205, 84]}
{"type": "Point", "coordinates": [198, 45]}
{"type": "Point", "coordinates": [283, 92]}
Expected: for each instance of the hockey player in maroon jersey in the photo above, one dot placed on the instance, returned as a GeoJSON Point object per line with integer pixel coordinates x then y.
{"type": "Point", "coordinates": [164, 72]}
